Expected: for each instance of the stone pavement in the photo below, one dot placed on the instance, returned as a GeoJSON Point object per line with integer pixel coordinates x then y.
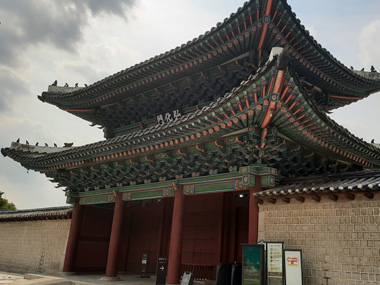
{"type": "Point", "coordinates": [41, 279]}
{"type": "Point", "coordinates": [124, 279]}
{"type": "Point", "coordinates": [18, 279]}
{"type": "Point", "coordinates": [9, 278]}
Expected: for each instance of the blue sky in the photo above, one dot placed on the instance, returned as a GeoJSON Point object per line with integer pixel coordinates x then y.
{"type": "Point", "coordinates": [84, 41]}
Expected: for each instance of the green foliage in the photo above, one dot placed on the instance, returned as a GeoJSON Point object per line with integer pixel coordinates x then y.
{"type": "Point", "coordinates": [5, 205]}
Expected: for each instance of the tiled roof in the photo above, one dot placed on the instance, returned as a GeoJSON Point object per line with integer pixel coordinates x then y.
{"type": "Point", "coordinates": [337, 137]}
{"type": "Point", "coordinates": [308, 58]}
{"type": "Point", "coordinates": [134, 139]}
{"type": "Point", "coordinates": [37, 214]}
{"type": "Point", "coordinates": [362, 181]}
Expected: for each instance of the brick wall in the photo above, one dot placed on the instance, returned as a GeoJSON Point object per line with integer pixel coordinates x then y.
{"type": "Point", "coordinates": [33, 246]}
{"type": "Point", "coordinates": [340, 240]}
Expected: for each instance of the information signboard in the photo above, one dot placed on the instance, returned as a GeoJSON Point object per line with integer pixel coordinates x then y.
{"type": "Point", "coordinates": [275, 263]}
{"type": "Point", "coordinates": [253, 264]}
{"type": "Point", "coordinates": [293, 267]}
{"type": "Point", "coordinates": [162, 269]}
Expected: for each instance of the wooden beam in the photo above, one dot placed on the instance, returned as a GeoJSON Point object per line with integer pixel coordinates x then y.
{"type": "Point", "coordinates": [316, 198]}
{"type": "Point", "coordinates": [369, 195]}
{"type": "Point", "coordinates": [333, 197]}
{"type": "Point", "coordinates": [300, 199]}
{"type": "Point", "coordinates": [350, 196]}
{"type": "Point", "coordinates": [285, 199]}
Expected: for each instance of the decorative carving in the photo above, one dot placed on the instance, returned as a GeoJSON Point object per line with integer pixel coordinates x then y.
{"type": "Point", "coordinates": [126, 196]}
{"type": "Point", "coordinates": [188, 189]}
{"type": "Point", "coordinates": [112, 198]}
{"type": "Point", "coordinates": [168, 192]}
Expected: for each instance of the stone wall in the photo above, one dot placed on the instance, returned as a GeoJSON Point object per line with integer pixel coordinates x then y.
{"type": "Point", "coordinates": [339, 240]}
{"type": "Point", "coordinates": [33, 246]}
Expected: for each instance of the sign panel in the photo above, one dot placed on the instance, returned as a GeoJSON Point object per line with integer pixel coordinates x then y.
{"type": "Point", "coordinates": [162, 269]}
{"type": "Point", "coordinates": [293, 266]}
{"type": "Point", "coordinates": [275, 264]}
{"type": "Point", "coordinates": [187, 278]}
{"type": "Point", "coordinates": [253, 264]}
{"type": "Point", "coordinates": [144, 266]}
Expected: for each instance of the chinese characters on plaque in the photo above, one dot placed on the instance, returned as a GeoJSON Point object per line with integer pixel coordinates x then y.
{"type": "Point", "coordinates": [168, 117]}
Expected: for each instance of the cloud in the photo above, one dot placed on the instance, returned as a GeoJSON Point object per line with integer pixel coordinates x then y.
{"type": "Point", "coordinates": [364, 124]}
{"type": "Point", "coordinates": [28, 189]}
{"type": "Point", "coordinates": [11, 85]}
{"type": "Point", "coordinates": [312, 31]}
{"type": "Point", "coordinates": [117, 7]}
{"type": "Point", "coordinates": [83, 72]}
{"type": "Point", "coordinates": [45, 26]}
{"type": "Point", "coordinates": [29, 22]}
{"type": "Point", "coordinates": [369, 42]}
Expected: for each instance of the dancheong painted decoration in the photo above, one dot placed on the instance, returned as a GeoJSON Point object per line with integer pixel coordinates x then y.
{"type": "Point", "coordinates": [243, 106]}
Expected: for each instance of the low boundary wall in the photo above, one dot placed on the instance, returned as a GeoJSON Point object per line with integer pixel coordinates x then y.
{"type": "Point", "coordinates": [339, 240]}
{"type": "Point", "coordinates": [34, 240]}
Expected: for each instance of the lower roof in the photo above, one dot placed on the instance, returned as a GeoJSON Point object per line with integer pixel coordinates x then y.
{"type": "Point", "coordinates": [269, 119]}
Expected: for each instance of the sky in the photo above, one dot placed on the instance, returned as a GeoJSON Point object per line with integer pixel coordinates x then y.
{"type": "Point", "coordinates": [83, 41]}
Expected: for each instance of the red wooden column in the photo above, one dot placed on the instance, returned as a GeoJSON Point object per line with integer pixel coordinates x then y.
{"type": "Point", "coordinates": [253, 220]}
{"type": "Point", "coordinates": [73, 240]}
{"type": "Point", "coordinates": [125, 237]}
{"type": "Point", "coordinates": [175, 249]}
{"type": "Point", "coordinates": [226, 227]}
{"type": "Point", "coordinates": [116, 231]}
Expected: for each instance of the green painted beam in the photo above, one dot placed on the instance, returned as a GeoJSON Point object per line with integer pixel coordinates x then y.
{"type": "Point", "coordinates": [195, 185]}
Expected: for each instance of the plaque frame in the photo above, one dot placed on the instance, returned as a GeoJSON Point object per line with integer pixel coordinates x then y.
{"type": "Point", "coordinates": [274, 277]}
{"type": "Point", "coordinates": [253, 264]}
{"type": "Point", "coordinates": [290, 273]}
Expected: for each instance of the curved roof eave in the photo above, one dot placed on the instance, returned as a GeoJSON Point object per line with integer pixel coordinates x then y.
{"type": "Point", "coordinates": [160, 62]}
{"type": "Point", "coordinates": [338, 139]}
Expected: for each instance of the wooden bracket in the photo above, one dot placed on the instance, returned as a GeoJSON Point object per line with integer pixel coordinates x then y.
{"type": "Point", "coordinates": [333, 197]}
{"type": "Point", "coordinates": [285, 199]}
{"type": "Point", "coordinates": [271, 200]}
{"type": "Point", "coordinates": [300, 199]}
{"type": "Point", "coordinates": [369, 195]}
{"type": "Point", "coordinates": [316, 198]}
{"type": "Point", "coordinates": [350, 196]}
{"type": "Point", "coordinates": [259, 201]}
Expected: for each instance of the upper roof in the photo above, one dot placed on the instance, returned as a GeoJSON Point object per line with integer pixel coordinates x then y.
{"type": "Point", "coordinates": [244, 39]}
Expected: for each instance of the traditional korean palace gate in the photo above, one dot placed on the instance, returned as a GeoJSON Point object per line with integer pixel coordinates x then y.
{"type": "Point", "coordinates": [197, 222]}
{"type": "Point", "coordinates": [191, 135]}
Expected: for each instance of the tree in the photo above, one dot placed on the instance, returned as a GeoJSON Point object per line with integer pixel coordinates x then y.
{"type": "Point", "coordinates": [5, 205]}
